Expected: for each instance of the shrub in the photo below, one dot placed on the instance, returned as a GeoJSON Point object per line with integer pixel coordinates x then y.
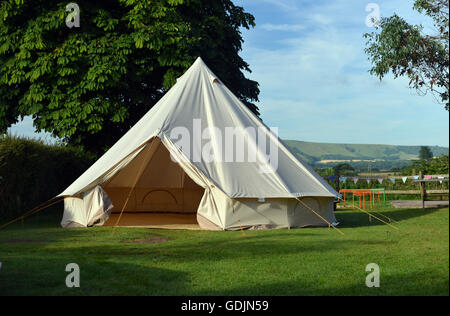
{"type": "Point", "coordinates": [32, 172]}
{"type": "Point", "coordinates": [437, 165]}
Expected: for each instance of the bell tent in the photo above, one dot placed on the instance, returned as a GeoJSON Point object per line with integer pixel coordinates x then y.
{"type": "Point", "coordinates": [199, 156]}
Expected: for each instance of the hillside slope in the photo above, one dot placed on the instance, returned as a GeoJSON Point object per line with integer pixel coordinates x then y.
{"type": "Point", "coordinates": [329, 153]}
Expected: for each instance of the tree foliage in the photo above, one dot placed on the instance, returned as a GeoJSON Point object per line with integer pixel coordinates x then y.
{"type": "Point", "coordinates": [425, 153]}
{"type": "Point", "coordinates": [343, 169]}
{"type": "Point", "coordinates": [89, 85]}
{"type": "Point", "coordinates": [438, 165]}
{"type": "Point", "coordinates": [406, 51]}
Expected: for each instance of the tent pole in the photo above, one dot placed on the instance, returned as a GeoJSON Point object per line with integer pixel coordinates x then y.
{"type": "Point", "coordinates": [138, 176]}
{"type": "Point", "coordinates": [242, 229]}
{"type": "Point", "coordinates": [287, 220]}
{"type": "Point", "coordinates": [321, 217]}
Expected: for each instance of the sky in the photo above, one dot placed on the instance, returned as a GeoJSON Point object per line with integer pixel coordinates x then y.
{"type": "Point", "coordinates": [308, 57]}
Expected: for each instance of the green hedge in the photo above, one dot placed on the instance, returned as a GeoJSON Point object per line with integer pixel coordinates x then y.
{"type": "Point", "coordinates": [32, 172]}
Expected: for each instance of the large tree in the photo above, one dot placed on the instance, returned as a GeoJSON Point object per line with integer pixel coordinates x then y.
{"type": "Point", "coordinates": [89, 85]}
{"type": "Point", "coordinates": [405, 50]}
{"type": "Point", "coordinates": [343, 169]}
{"type": "Point", "coordinates": [425, 153]}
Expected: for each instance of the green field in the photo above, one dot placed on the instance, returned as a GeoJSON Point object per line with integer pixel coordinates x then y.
{"type": "Point", "coordinates": [316, 261]}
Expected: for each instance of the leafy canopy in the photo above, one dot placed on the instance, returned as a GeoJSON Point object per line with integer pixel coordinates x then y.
{"type": "Point", "coordinates": [343, 169]}
{"type": "Point", "coordinates": [425, 153]}
{"type": "Point", "coordinates": [404, 49]}
{"type": "Point", "coordinates": [89, 85]}
{"type": "Point", "coordinates": [438, 165]}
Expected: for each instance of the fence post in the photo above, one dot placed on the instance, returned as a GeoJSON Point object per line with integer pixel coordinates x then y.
{"type": "Point", "coordinates": [422, 189]}
{"type": "Point", "coordinates": [337, 183]}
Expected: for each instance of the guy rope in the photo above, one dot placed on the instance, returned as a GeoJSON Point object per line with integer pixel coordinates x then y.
{"type": "Point", "coordinates": [34, 211]}
{"type": "Point", "coordinates": [371, 215]}
{"type": "Point", "coordinates": [321, 217]}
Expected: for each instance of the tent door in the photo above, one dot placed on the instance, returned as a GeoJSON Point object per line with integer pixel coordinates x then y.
{"type": "Point", "coordinates": [163, 191]}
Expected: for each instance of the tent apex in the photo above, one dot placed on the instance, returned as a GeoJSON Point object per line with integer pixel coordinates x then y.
{"type": "Point", "coordinates": [199, 62]}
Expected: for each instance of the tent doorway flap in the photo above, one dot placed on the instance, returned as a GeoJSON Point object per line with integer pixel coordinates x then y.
{"type": "Point", "coordinates": [163, 186]}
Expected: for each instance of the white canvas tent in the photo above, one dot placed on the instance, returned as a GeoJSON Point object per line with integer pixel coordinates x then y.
{"type": "Point", "coordinates": [148, 171]}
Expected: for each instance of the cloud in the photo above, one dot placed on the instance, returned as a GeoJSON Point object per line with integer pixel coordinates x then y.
{"type": "Point", "coordinates": [321, 19]}
{"type": "Point", "coordinates": [315, 84]}
{"type": "Point", "coordinates": [285, 5]}
{"type": "Point", "coordinates": [283, 27]}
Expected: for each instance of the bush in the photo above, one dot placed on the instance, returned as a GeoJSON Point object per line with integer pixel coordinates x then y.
{"type": "Point", "coordinates": [32, 172]}
{"type": "Point", "coordinates": [437, 165]}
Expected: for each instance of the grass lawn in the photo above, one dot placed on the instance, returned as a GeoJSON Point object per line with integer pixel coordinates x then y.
{"type": "Point", "coordinates": [316, 261]}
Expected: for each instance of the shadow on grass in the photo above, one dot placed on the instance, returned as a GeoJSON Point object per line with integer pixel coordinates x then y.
{"type": "Point", "coordinates": [47, 277]}
{"type": "Point", "coordinates": [35, 263]}
{"type": "Point", "coordinates": [50, 218]}
{"type": "Point", "coordinates": [410, 284]}
{"type": "Point", "coordinates": [193, 246]}
{"type": "Point", "coordinates": [355, 218]}
{"type": "Point", "coordinates": [31, 276]}
{"type": "Point", "coordinates": [217, 246]}
{"type": "Point", "coordinates": [29, 234]}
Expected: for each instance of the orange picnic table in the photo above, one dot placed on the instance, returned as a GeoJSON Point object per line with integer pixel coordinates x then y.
{"type": "Point", "coordinates": [361, 193]}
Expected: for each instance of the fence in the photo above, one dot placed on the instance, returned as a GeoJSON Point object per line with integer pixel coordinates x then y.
{"type": "Point", "coordinates": [423, 191]}
{"type": "Point", "coordinates": [409, 185]}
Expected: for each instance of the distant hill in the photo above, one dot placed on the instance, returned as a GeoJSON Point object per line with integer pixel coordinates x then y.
{"type": "Point", "coordinates": [330, 154]}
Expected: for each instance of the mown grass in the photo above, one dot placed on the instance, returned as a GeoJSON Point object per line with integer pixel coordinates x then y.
{"type": "Point", "coordinates": [316, 261]}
